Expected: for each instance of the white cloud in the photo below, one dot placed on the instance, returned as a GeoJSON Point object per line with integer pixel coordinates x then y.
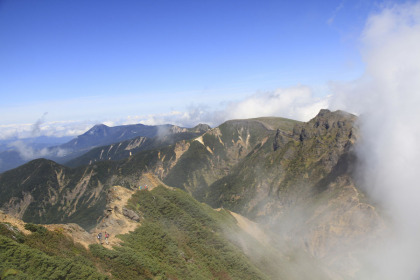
{"type": "Point", "coordinates": [388, 99]}
{"type": "Point", "coordinates": [57, 129]}
{"type": "Point", "coordinates": [294, 102]}
{"type": "Point", "coordinates": [27, 152]}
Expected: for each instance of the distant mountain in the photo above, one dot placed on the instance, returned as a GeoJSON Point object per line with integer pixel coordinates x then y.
{"type": "Point", "coordinates": [125, 149]}
{"type": "Point", "coordinates": [20, 152]}
{"type": "Point", "coordinates": [101, 135]}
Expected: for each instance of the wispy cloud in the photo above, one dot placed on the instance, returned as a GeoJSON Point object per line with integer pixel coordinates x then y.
{"type": "Point", "coordinates": [335, 12]}
{"type": "Point", "coordinates": [36, 127]}
{"type": "Point", "coordinates": [27, 152]}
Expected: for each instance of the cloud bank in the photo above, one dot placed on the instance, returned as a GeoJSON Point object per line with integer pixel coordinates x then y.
{"type": "Point", "coordinates": [45, 128]}
{"type": "Point", "coordinates": [297, 102]}
{"type": "Point", "coordinates": [388, 99]}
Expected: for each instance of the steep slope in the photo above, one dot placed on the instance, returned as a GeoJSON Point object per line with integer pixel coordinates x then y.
{"type": "Point", "coordinates": [177, 238]}
{"type": "Point", "coordinates": [301, 185]}
{"type": "Point", "coordinates": [213, 155]}
{"type": "Point", "coordinates": [311, 156]}
{"type": "Point", "coordinates": [43, 191]}
{"type": "Point", "coordinates": [36, 253]}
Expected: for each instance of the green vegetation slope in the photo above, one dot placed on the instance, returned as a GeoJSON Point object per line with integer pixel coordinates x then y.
{"type": "Point", "coordinates": [179, 238]}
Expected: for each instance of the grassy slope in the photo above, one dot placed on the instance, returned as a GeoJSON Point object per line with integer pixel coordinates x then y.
{"type": "Point", "coordinates": [43, 255]}
{"type": "Point", "coordinates": [278, 123]}
{"type": "Point", "coordinates": [179, 238]}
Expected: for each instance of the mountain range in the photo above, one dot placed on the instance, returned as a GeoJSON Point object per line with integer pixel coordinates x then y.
{"type": "Point", "coordinates": [18, 152]}
{"type": "Point", "coordinates": [293, 180]}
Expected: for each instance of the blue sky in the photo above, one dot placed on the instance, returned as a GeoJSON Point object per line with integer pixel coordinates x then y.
{"type": "Point", "coordinates": [128, 61]}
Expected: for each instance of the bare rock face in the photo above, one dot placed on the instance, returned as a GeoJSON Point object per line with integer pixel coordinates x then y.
{"type": "Point", "coordinates": [280, 139]}
{"type": "Point", "coordinates": [131, 214]}
{"type": "Point", "coordinates": [43, 191]}
{"type": "Point", "coordinates": [327, 136]}
{"type": "Point", "coordinates": [17, 207]}
{"type": "Point", "coordinates": [336, 124]}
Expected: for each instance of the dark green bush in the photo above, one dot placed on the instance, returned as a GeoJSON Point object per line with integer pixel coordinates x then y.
{"type": "Point", "coordinates": [35, 228]}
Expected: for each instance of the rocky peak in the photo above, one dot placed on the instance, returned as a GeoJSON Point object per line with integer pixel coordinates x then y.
{"type": "Point", "coordinates": [170, 129]}
{"type": "Point", "coordinates": [338, 123]}
{"type": "Point", "coordinates": [201, 128]}
{"type": "Point", "coordinates": [327, 119]}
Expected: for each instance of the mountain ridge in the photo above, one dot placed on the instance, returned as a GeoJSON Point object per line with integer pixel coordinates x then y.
{"type": "Point", "coordinates": [98, 135]}
{"type": "Point", "coordinates": [293, 178]}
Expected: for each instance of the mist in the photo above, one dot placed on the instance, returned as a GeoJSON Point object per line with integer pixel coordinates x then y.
{"type": "Point", "coordinates": [27, 147]}
{"type": "Point", "coordinates": [387, 98]}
